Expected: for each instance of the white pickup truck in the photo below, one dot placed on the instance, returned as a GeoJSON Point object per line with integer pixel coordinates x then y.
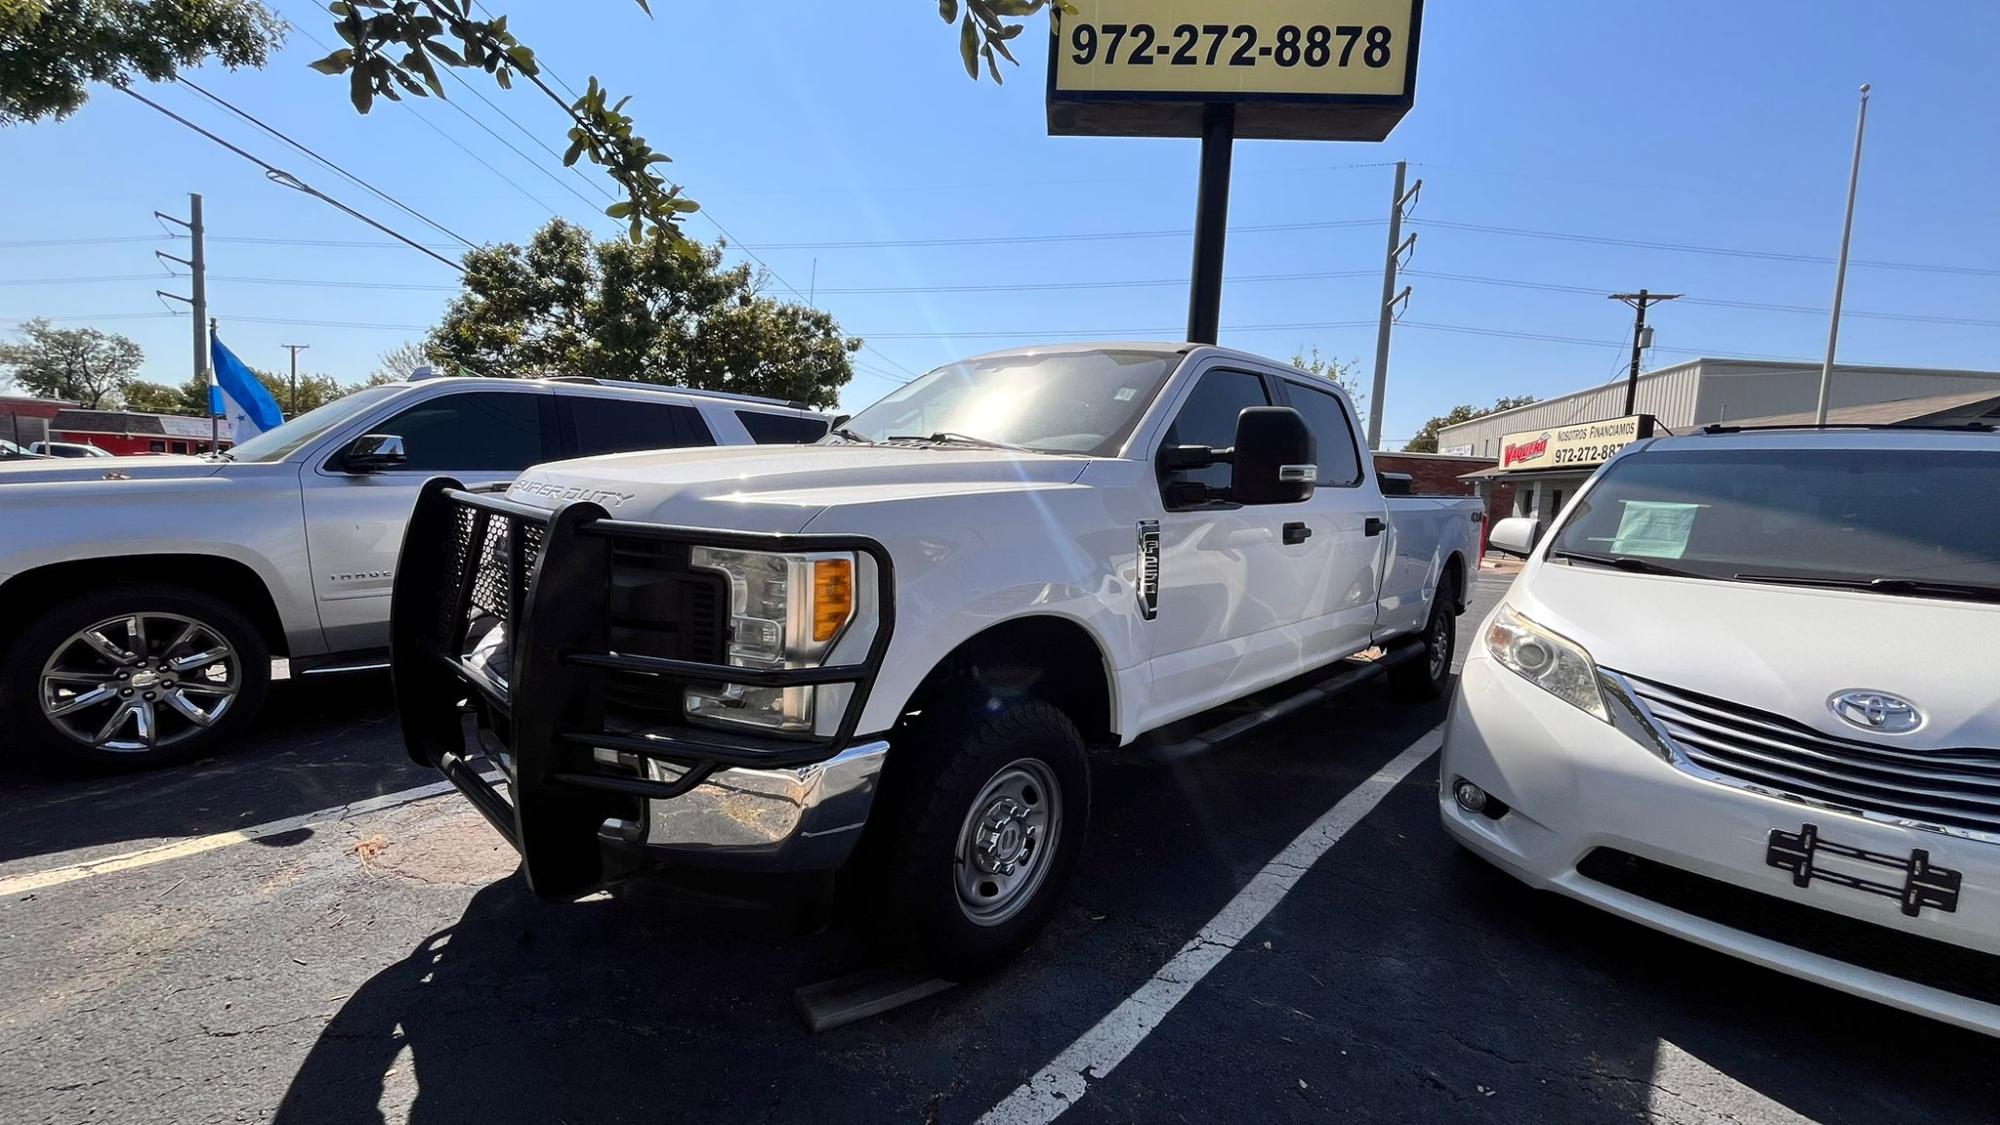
{"type": "Point", "coordinates": [891, 650]}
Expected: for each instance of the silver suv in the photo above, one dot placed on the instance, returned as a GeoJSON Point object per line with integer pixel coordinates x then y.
{"type": "Point", "coordinates": [142, 598]}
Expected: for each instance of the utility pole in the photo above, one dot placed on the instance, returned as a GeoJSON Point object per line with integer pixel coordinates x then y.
{"type": "Point", "coordinates": [1399, 201]}
{"type": "Point", "coordinates": [1840, 271]}
{"type": "Point", "coordinates": [197, 266]}
{"type": "Point", "coordinates": [295, 349]}
{"type": "Point", "coordinates": [1641, 300]}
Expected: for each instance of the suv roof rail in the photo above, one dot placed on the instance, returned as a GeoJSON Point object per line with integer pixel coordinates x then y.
{"type": "Point", "coordinates": [1952, 427]}
{"type": "Point", "coordinates": [635, 385]}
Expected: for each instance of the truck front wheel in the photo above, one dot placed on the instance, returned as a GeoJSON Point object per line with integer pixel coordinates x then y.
{"type": "Point", "coordinates": [982, 817]}
{"type": "Point", "coordinates": [133, 677]}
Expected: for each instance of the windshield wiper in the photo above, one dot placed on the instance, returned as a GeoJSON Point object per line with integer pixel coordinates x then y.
{"type": "Point", "coordinates": [946, 437]}
{"type": "Point", "coordinates": [1633, 563]}
{"type": "Point", "coordinates": [1967, 591]}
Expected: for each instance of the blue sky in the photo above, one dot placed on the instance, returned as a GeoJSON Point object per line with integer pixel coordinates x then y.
{"type": "Point", "coordinates": [1710, 124]}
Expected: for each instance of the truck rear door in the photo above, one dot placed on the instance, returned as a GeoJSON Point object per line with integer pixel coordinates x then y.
{"type": "Point", "coordinates": [1347, 522]}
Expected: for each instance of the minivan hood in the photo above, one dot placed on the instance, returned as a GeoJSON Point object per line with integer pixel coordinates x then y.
{"type": "Point", "coordinates": [780, 488]}
{"type": "Point", "coordinates": [1784, 649]}
{"type": "Point", "coordinates": [149, 467]}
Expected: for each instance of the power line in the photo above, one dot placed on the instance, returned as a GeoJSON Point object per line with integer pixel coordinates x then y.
{"type": "Point", "coordinates": [280, 176]}
{"type": "Point", "coordinates": [349, 176]}
{"type": "Point", "coordinates": [1686, 248]}
{"type": "Point", "coordinates": [531, 134]}
{"type": "Point", "coordinates": [453, 141]}
{"type": "Point", "coordinates": [1097, 236]}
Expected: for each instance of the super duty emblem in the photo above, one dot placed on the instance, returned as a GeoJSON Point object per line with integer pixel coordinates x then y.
{"type": "Point", "coordinates": [559, 493]}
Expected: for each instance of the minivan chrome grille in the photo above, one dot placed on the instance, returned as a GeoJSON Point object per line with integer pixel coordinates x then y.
{"type": "Point", "coordinates": [1955, 790]}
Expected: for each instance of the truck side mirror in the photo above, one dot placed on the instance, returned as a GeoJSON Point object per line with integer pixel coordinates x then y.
{"type": "Point", "coordinates": [1275, 458]}
{"type": "Point", "coordinates": [1515, 536]}
{"type": "Point", "coordinates": [374, 453]}
{"type": "Point", "coordinates": [1175, 458]}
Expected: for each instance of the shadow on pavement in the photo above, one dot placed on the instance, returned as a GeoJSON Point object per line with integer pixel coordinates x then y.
{"type": "Point", "coordinates": [319, 743]}
{"type": "Point", "coordinates": [626, 1008]}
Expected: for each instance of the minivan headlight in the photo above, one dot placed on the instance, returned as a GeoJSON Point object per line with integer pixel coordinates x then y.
{"type": "Point", "coordinates": [1547, 659]}
{"type": "Point", "coordinates": [785, 611]}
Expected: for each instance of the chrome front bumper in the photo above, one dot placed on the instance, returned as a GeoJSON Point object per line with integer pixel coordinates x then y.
{"type": "Point", "coordinates": [786, 820]}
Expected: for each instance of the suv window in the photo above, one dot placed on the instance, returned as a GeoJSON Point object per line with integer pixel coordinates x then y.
{"type": "Point", "coordinates": [781, 429]}
{"type": "Point", "coordinates": [478, 430]}
{"type": "Point", "coordinates": [1208, 417]}
{"type": "Point", "coordinates": [1332, 431]}
{"type": "Point", "coordinates": [621, 425]}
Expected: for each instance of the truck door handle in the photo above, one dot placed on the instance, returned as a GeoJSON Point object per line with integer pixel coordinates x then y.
{"type": "Point", "coordinates": [1296, 532]}
{"type": "Point", "coordinates": [1374, 526]}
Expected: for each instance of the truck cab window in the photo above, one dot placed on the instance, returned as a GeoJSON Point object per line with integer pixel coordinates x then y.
{"type": "Point", "coordinates": [1333, 433]}
{"type": "Point", "coordinates": [1208, 417]}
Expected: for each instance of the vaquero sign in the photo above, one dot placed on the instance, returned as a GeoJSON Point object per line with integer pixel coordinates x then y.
{"type": "Point", "coordinates": [1326, 70]}
{"type": "Point", "coordinates": [1579, 446]}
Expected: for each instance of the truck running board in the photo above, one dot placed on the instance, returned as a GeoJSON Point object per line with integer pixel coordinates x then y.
{"type": "Point", "coordinates": [1275, 703]}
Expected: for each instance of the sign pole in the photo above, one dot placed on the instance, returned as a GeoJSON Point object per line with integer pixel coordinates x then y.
{"type": "Point", "coordinates": [1211, 222]}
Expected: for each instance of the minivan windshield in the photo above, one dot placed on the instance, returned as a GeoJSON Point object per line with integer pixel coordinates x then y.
{"type": "Point", "coordinates": [1063, 402]}
{"type": "Point", "coordinates": [278, 444]}
{"type": "Point", "coordinates": [1902, 521]}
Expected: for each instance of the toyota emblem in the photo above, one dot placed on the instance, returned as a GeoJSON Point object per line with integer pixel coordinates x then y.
{"type": "Point", "coordinates": [1876, 711]}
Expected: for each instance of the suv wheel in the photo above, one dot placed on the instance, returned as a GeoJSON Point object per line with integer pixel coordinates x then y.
{"type": "Point", "coordinates": [982, 823]}
{"type": "Point", "coordinates": [136, 677]}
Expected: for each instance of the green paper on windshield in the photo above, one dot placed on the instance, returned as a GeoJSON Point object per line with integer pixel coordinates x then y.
{"type": "Point", "coordinates": [1654, 529]}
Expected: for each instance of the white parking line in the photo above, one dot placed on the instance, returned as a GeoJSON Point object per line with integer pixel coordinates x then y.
{"type": "Point", "coordinates": [195, 845]}
{"type": "Point", "coordinates": [1067, 1077]}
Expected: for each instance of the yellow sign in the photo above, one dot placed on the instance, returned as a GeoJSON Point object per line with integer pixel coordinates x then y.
{"type": "Point", "coordinates": [1301, 69]}
{"type": "Point", "coordinates": [1580, 446]}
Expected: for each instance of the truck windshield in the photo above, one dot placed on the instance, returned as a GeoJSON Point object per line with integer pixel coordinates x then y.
{"type": "Point", "coordinates": [1065, 402]}
{"type": "Point", "coordinates": [278, 444]}
{"type": "Point", "coordinates": [1899, 521]}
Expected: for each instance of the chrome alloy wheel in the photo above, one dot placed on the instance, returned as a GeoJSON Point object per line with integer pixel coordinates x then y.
{"type": "Point", "coordinates": [141, 682]}
{"type": "Point", "coordinates": [1008, 841]}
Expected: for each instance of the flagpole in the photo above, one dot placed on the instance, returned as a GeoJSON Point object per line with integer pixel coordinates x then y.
{"type": "Point", "coordinates": [214, 419]}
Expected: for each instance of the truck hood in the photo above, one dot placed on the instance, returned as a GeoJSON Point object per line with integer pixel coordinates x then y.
{"type": "Point", "coordinates": [780, 488]}
{"type": "Point", "coordinates": [1784, 649]}
{"type": "Point", "coordinates": [151, 467]}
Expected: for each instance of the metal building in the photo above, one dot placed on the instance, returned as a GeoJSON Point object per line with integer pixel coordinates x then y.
{"type": "Point", "coordinates": [1699, 393]}
{"type": "Point", "coordinates": [1702, 391]}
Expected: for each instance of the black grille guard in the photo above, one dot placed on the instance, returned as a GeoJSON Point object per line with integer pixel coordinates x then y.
{"type": "Point", "coordinates": [549, 713]}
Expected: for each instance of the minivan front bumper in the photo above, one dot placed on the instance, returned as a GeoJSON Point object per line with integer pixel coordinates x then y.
{"type": "Point", "coordinates": [602, 777]}
{"type": "Point", "coordinates": [1583, 808]}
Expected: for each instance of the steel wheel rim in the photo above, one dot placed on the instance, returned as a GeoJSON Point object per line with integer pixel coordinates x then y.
{"type": "Point", "coordinates": [1440, 646]}
{"type": "Point", "coordinates": [1008, 841]}
{"type": "Point", "coordinates": [140, 682]}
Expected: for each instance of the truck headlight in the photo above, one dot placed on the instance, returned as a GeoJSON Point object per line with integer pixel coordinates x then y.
{"type": "Point", "coordinates": [1549, 660]}
{"type": "Point", "coordinates": [785, 611]}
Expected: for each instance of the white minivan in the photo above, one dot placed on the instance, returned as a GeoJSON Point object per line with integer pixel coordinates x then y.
{"type": "Point", "coordinates": [1747, 691]}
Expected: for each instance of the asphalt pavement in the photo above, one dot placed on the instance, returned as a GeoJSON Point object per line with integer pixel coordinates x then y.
{"type": "Point", "coordinates": [285, 933]}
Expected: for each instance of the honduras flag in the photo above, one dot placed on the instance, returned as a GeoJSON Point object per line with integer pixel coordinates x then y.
{"type": "Point", "coordinates": [238, 395]}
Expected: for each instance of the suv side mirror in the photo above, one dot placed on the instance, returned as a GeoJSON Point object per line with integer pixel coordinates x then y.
{"type": "Point", "coordinates": [1275, 458]}
{"type": "Point", "coordinates": [1515, 536]}
{"type": "Point", "coordinates": [374, 453]}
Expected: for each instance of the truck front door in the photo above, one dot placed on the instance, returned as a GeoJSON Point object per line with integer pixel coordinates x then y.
{"type": "Point", "coordinates": [1234, 579]}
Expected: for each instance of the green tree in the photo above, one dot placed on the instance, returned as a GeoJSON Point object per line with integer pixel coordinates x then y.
{"type": "Point", "coordinates": [657, 311]}
{"type": "Point", "coordinates": [314, 391]}
{"type": "Point", "coordinates": [1426, 440]}
{"type": "Point", "coordinates": [80, 365]}
{"type": "Point", "coordinates": [1339, 373]}
{"type": "Point", "coordinates": [51, 50]}
{"type": "Point", "coordinates": [157, 398]}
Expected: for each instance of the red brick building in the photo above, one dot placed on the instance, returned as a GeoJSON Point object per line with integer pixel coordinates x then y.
{"type": "Point", "coordinates": [124, 432]}
{"type": "Point", "coordinates": [1437, 474]}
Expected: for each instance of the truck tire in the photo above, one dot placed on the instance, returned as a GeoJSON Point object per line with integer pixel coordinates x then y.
{"type": "Point", "coordinates": [977, 832]}
{"type": "Point", "coordinates": [1422, 678]}
{"type": "Point", "coordinates": [133, 677]}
